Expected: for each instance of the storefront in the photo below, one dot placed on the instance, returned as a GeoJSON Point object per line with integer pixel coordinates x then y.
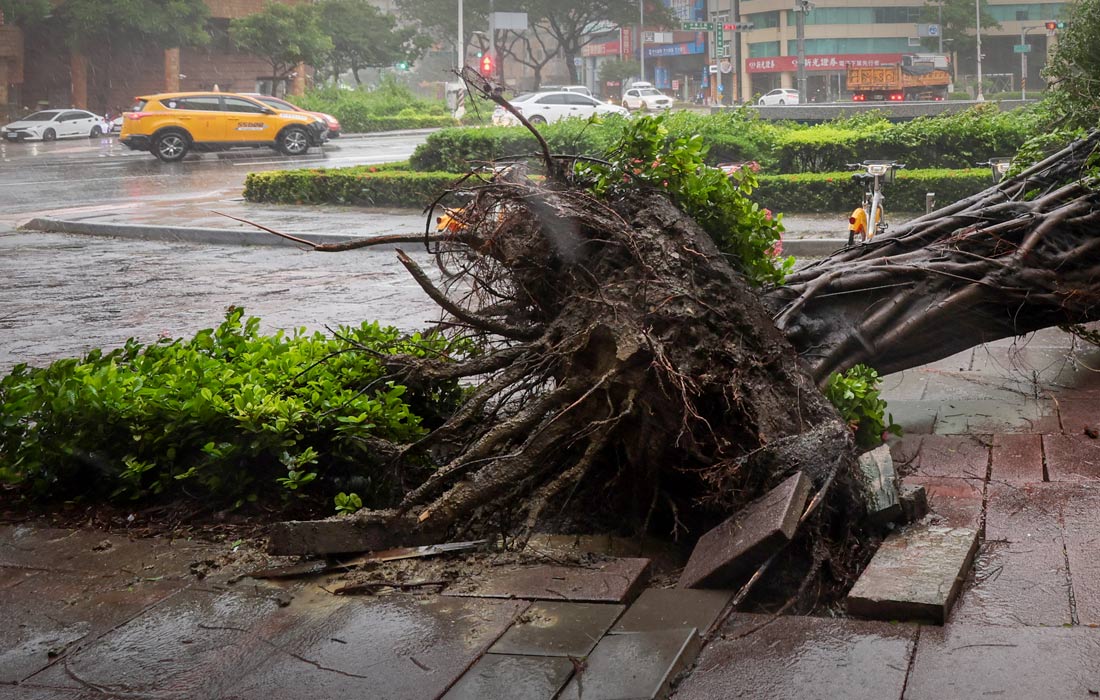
{"type": "Point", "coordinates": [611, 45]}
{"type": "Point", "coordinates": [677, 68]}
{"type": "Point", "coordinates": [825, 74]}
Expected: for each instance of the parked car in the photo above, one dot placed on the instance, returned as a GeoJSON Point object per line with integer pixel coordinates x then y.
{"type": "Point", "coordinates": [50, 124]}
{"type": "Point", "coordinates": [116, 125]}
{"type": "Point", "coordinates": [169, 125]}
{"type": "Point", "coordinates": [644, 96]}
{"type": "Point", "coordinates": [549, 107]}
{"type": "Point", "coordinates": [779, 96]}
{"type": "Point", "coordinates": [279, 103]}
{"type": "Point", "coordinates": [582, 89]}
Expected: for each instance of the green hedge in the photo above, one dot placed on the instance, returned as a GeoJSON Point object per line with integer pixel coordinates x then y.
{"type": "Point", "coordinates": [835, 192]}
{"type": "Point", "coordinates": [803, 192]}
{"type": "Point", "coordinates": [362, 185]}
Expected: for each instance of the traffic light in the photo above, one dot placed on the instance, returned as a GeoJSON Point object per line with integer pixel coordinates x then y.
{"type": "Point", "coordinates": [1051, 26]}
{"type": "Point", "coordinates": [487, 64]}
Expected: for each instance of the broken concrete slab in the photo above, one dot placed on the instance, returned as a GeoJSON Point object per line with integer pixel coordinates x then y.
{"type": "Point", "coordinates": [735, 548]}
{"type": "Point", "coordinates": [915, 574]}
{"type": "Point", "coordinates": [952, 502]}
{"type": "Point", "coordinates": [365, 532]}
{"type": "Point", "coordinates": [673, 608]}
{"type": "Point", "coordinates": [555, 628]}
{"type": "Point", "coordinates": [640, 665]}
{"type": "Point", "coordinates": [809, 658]}
{"type": "Point", "coordinates": [914, 502]}
{"type": "Point", "coordinates": [610, 581]}
{"type": "Point", "coordinates": [970, 661]}
{"type": "Point", "coordinates": [880, 485]}
{"type": "Point", "coordinates": [506, 676]}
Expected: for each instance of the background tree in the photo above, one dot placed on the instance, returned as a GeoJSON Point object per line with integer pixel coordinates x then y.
{"type": "Point", "coordinates": [957, 24]}
{"type": "Point", "coordinates": [364, 36]}
{"type": "Point", "coordinates": [443, 26]}
{"type": "Point", "coordinates": [532, 48]}
{"type": "Point", "coordinates": [1073, 72]}
{"type": "Point", "coordinates": [619, 70]}
{"type": "Point", "coordinates": [284, 36]}
{"type": "Point", "coordinates": [93, 23]}
{"type": "Point", "coordinates": [25, 13]}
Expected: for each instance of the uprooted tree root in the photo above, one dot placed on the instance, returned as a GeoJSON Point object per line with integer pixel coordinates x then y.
{"type": "Point", "coordinates": [627, 376]}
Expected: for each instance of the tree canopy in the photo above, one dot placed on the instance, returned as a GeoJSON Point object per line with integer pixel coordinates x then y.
{"type": "Point", "coordinates": [165, 22]}
{"type": "Point", "coordinates": [958, 20]}
{"type": "Point", "coordinates": [1074, 69]}
{"type": "Point", "coordinates": [25, 13]}
{"type": "Point", "coordinates": [283, 35]}
{"type": "Point", "coordinates": [365, 37]}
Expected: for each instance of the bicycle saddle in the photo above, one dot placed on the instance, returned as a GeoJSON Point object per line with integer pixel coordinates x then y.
{"type": "Point", "coordinates": [862, 177]}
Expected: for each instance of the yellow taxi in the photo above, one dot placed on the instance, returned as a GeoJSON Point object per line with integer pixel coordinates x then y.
{"type": "Point", "coordinates": [172, 124]}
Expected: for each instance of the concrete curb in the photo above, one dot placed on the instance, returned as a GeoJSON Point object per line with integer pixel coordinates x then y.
{"type": "Point", "coordinates": [182, 234]}
{"type": "Point", "coordinates": [805, 247]}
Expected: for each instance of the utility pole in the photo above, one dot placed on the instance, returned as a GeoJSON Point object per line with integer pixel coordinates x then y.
{"type": "Point", "coordinates": [978, 14]}
{"type": "Point", "coordinates": [939, 20]}
{"type": "Point", "coordinates": [461, 40]}
{"type": "Point", "coordinates": [493, 41]}
{"type": "Point", "coordinates": [641, 36]}
{"type": "Point", "coordinates": [1023, 59]}
{"type": "Point", "coordinates": [801, 7]}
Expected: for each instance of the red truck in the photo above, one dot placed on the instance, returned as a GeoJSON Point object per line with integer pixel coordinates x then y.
{"type": "Point", "coordinates": [916, 77]}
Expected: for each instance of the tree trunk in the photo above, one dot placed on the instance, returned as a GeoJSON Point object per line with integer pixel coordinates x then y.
{"type": "Point", "coordinates": [1018, 257]}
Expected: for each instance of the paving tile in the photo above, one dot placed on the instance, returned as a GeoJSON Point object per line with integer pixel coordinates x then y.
{"type": "Point", "coordinates": [903, 386]}
{"type": "Point", "coordinates": [904, 451]}
{"type": "Point", "coordinates": [1017, 458]}
{"type": "Point", "coordinates": [673, 608]}
{"type": "Point", "coordinates": [611, 581]}
{"type": "Point", "coordinates": [985, 416]}
{"type": "Point", "coordinates": [36, 692]}
{"type": "Point", "coordinates": [50, 613]}
{"type": "Point", "coordinates": [733, 549]}
{"type": "Point", "coordinates": [1016, 584]}
{"type": "Point", "coordinates": [914, 417]}
{"type": "Point", "coordinates": [1072, 457]}
{"type": "Point", "coordinates": [952, 502]}
{"type": "Point", "coordinates": [881, 483]}
{"type": "Point", "coordinates": [640, 665]}
{"type": "Point", "coordinates": [970, 661]}
{"type": "Point", "coordinates": [1025, 513]}
{"type": "Point", "coordinates": [1023, 362]}
{"type": "Point", "coordinates": [392, 647]}
{"type": "Point", "coordinates": [959, 362]}
{"type": "Point", "coordinates": [506, 676]}
{"type": "Point", "coordinates": [1079, 378]}
{"type": "Point", "coordinates": [556, 628]}
{"type": "Point", "coordinates": [1082, 537]}
{"type": "Point", "coordinates": [956, 456]}
{"type": "Point", "coordinates": [195, 644]}
{"type": "Point", "coordinates": [1079, 414]}
{"type": "Point", "coordinates": [915, 574]}
{"type": "Point", "coordinates": [970, 384]}
{"type": "Point", "coordinates": [809, 658]}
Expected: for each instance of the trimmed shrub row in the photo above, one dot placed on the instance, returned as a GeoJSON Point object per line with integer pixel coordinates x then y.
{"type": "Point", "coordinates": [806, 192]}
{"type": "Point", "coordinates": [948, 141]}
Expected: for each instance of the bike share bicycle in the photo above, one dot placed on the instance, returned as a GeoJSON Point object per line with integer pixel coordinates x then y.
{"type": "Point", "coordinates": [868, 219]}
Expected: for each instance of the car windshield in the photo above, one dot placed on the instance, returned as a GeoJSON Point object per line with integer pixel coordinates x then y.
{"type": "Point", "coordinates": [46, 116]}
{"type": "Point", "coordinates": [650, 92]}
{"type": "Point", "coordinates": [279, 104]}
{"type": "Point", "coordinates": [524, 97]}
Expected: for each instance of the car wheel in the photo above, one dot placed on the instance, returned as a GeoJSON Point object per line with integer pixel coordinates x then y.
{"type": "Point", "coordinates": [170, 146]}
{"type": "Point", "coordinates": [537, 119]}
{"type": "Point", "coordinates": [294, 141]}
{"type": "Point", "coordinates": [49, 135]}
{"type": "Point", "coordinates": [782, 102]}
{"type": "Point", "coordinates": [97, 131]}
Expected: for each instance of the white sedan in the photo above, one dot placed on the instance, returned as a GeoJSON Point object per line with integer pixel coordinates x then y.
{"type": "Point", "coordinates": [780, 96]}
{"type": "Point", "coordinates": [646, 98]}
{"type": "Point", "coordinates": [51, 124]}
{"type": "Point", "coordinates": [549, 107]}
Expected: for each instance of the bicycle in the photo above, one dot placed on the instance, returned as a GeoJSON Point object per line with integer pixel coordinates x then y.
{"type": "Point", "coordinates": [877, 172]}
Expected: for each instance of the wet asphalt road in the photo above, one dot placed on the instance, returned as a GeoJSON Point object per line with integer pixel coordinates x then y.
{"type": "Point", "coordinates": [36, 176]}
{"type": "Point", "coordinates": [62, 295]}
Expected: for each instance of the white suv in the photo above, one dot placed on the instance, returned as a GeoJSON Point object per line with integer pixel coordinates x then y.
{"type": "Point", "coordinates": [549, 107]}
{"type": "Point", "coordinates": [645, 97]}
{"type": "Point", "coordinates": [780, 96]}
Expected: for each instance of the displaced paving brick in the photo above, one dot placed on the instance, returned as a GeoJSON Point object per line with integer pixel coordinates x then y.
{"type": "Point", "coordinates": [915, 574]}
{"type": "Point", "coordinates": [348, 534]}
{"type": "Point", "coordinates": [1016, 584]}
{"type": "Point", "coordinates": [904, 451]}
{"type": "Point", "coordinates": [969, 661]}
{"type": "Point", "coordinates": [1072, 457]}
{"type": "Point", "coordinates": [673, 608]}
{"type": "Point", "coordinates": [612, 581]}
{"type": "Point", "coordinates": [881, 484]}
{"type": "Point", "coordinates": [1025, 513]}
{"type": "Point", "coordinates": [1017, 458]}
{"type": "Point", "coordinates": [505, 676]}
{"type": "Point", "coordinates": [954, 456]}
{"type": "Point", "coordinates": [558, 629]}
{"type": "Point", "coordinates": [809, 658]}
{"type": "Point", "coordinates": [914, 502]}
{"type": "Point", "coordinates": [735, 548]}
{"type": "Point", "coordinates": [392, 647]}
{"type": "Point", "coordinates": [641, 665]}
{"type": "Point", "coordinates": [953, 502]}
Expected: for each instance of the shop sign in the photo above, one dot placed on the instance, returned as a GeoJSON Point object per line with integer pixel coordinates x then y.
{"type": "Point", "coordinates": [685, 49]}
{"type": "Point", "coordinates": [833, 62]}
{"type": "Point", "coordinates": [601, 48]}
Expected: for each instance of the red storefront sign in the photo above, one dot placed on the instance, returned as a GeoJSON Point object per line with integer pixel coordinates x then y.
{"type": "Point", "coordinates": [601, 48]}
{"type": "Point", "coordinates": [831, 62]}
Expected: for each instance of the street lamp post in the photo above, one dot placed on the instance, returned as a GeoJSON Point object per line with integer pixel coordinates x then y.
{"type": "Point", "coordinates": [801, 7]}
{"type": "Point", "coordinates": [978, 14]}
{"type": "Point", "coordinates": [641, 37]}
{"type": "Point", "coordinates": [1023, 60]}
{"type": "Point", "coordinates": [461, 40]}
